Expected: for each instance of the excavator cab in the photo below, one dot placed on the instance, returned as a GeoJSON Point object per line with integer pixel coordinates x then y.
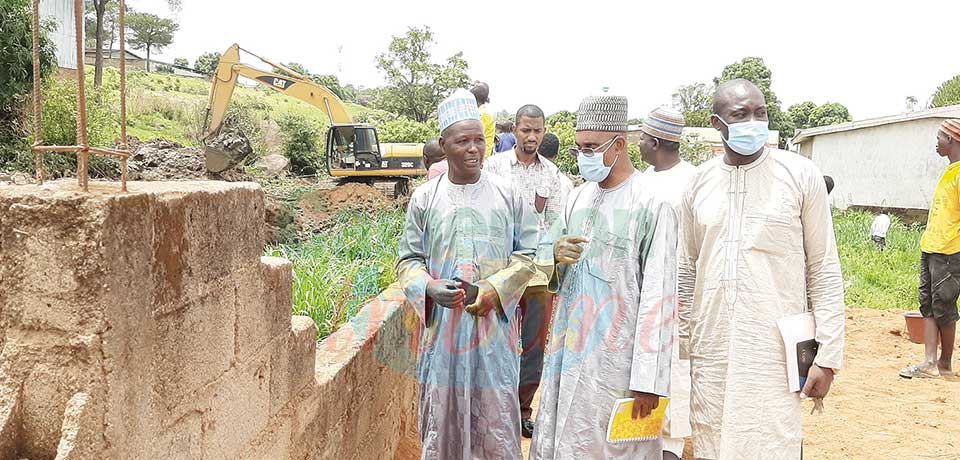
{"type": "Point", "coordinates": [352, 148]}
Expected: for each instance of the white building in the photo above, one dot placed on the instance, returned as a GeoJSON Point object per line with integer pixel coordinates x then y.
{"type": "Point", "coordinates": [887, 162]}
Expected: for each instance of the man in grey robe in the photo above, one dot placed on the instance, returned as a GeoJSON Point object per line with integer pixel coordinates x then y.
{"type": "Point", "coordinates": [612, 331]}
{"type": "Point", "coordinates": [467, 225]}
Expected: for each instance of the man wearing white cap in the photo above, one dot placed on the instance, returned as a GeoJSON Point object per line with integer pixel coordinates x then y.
{"type": "Point", "coordinates": [615, 270]}
{"type": "Point", "coordinates": [669, 175]}
{"type": "Point", "coordinates": [467, 234]}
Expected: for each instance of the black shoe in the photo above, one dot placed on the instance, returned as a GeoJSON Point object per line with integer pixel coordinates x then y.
{"type": "Point", "coordinates": [526, 428]}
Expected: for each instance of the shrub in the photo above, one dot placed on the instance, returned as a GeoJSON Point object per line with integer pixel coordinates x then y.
{"type": "Point", "coordinates": [60, 126]}
{"type": "Point", "coordinates": [301, 144]}
{"type": "Point", "coordinates": [406, 130]}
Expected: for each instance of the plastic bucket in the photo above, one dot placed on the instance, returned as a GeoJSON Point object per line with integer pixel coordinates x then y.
{"type": "Point", "coordinates": [915, 326]}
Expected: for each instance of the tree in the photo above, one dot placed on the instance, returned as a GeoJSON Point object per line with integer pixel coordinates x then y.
{"type": "Point", "coordinates": [16, 74]}
{"type": "Point", "coordinates": [809, 115]}
{"type": "Point", "coordinates": [799, 114]}
{"type": "Point", "coordinates": [207, 63]}
{"type": "Point", "coordinates": [182, 62]}
{"type": "Point", "coordinates": [690, 98]}
{"type": "Point", "coordinates": [415, 84]}
{"type": "Point", "coordinates": [16, 56]}
{"type": "Point", "coordinates": [104, 15]}
{"type": "Point", "coordinates": [695, 103]}
{"type": "Point", "coordinates": [754, 70]}
{"type": "Point", "coordinates": [296, 67]}
{"type": "Point", "coordinates": [562, 116]}
{"type": "Point", "coordinates": [150, 32]}
{"type": "Point", "coordinates": [831, 113]}
{"type": "Point", "coordinates": [947, 94]}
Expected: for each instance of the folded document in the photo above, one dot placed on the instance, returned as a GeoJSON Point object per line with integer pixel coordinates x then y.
{"type": "Point", "coordinates": [799, 341]}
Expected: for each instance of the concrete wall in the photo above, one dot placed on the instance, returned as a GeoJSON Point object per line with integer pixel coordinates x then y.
{"type": "Point", "coordinates": [893, 165]}
{"type": "Point", "coordinates": [133, 64]}
{"type": "Point", "coordinates": [147, 325]}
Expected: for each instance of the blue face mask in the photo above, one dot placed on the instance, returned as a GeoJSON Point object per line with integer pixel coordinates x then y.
{"type": "Point", "coordinates": [748, 137]}
{"type": "Point", "coordinates": [592, 167]}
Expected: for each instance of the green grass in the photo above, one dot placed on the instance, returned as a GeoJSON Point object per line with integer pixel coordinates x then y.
{"type": "Point", "coordinates": [336, 271]}
{"type": "Point", "coordinates": [874, 279]}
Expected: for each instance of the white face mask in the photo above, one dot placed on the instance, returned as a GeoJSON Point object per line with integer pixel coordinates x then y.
{"type": "Point", "coordinates": [748, 137]}
{"type": "Point", "coordinates": [591, 165]}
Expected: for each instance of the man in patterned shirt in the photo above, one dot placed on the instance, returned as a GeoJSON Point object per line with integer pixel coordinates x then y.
{"type": "Point", "coordinates": [537, 181]}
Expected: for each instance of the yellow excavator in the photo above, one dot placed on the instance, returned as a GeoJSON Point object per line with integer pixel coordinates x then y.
{"type": "Point", "coordinates": [353, 151]}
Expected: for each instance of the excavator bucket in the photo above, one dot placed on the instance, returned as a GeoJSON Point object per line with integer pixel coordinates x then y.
{"type": "Point", "coordinates": [226, 150]}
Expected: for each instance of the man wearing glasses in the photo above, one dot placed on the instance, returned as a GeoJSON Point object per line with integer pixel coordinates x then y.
{"type": "Point", "coordinates": [615, 270]}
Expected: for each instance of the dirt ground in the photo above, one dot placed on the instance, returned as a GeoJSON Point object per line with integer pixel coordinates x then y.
{"type": "Point", "coordinates": [873, 413]}
{"type": "Point", "coordinates": [321, 206]}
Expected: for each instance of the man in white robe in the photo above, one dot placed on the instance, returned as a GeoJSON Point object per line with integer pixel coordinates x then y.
{"type": "Point", "coordinates": [470, 225]}
{"type": "Point", "coordinates": [756, 244]}
{"type": "Point", "coordinates": [611, 336]}
{"type": "Point", "coordinates": [668, 174]}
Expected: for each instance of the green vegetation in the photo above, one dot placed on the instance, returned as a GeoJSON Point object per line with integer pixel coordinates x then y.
{"type": "Point", "coordinates": [874, 279]}
{"type": "Point", "coordinates": [947, 93]}
{"type": "Point", "coordinates": [336, 271]}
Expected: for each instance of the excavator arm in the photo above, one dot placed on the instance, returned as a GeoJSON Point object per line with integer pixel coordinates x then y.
{"type": "Point", "coordinates": [295, 85]}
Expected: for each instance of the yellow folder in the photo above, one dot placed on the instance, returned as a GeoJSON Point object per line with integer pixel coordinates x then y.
{"type": "Point", "coordinates": [623, 428]}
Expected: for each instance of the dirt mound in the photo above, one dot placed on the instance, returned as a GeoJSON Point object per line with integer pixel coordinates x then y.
{"type": "Point", "coordinates": [160, 160]}
{"type": "Point", "coordinates": [320, 207]}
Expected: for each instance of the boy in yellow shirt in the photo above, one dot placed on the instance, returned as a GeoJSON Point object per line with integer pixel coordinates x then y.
{"type": "Point", "coordinates": [940, 263]}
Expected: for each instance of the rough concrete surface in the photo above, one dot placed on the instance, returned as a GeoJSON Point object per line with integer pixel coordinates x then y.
{"type": "Point", "coordinates": [147, 325]}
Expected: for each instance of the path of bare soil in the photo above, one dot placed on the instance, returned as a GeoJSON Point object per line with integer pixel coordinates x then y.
{"type": "Point", "coordinates": [872, 413]}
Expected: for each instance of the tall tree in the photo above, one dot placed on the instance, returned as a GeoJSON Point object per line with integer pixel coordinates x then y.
{"type": "Point", "coordinates": [207, 63]}
{"type": "Point", "coordinates": [106, 16]}
{"type": "Point", "coordinates": [756, 71]}
{"type": "Point", "coordinates": [831, 113]}
{"type": "Point", "coordinates": [799, 115]}
{"type": "Point", "coordinates": [150, 32]}
{"type": "Point", "coordinates": [415, 84]}
{"type": "Point", "coordinates": [694, 102]}
{"type": "Point", "coordinates": [947, 93]}
{"type": "Point", "coordinates": [809, 115]}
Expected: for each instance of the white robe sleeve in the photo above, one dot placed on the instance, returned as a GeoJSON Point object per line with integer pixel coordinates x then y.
{"type": "Point", "coordinates": [412, 262]}
{"type": "Point", "coordinates": [652, 351]}
{"type": "Point", "coordinates": [688, 253]}
{"type": "Point", "coordinates": [824, 280]}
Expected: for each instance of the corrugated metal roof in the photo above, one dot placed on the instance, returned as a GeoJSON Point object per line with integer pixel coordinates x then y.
{"type": "Point", "coordinates": [950, 111]}
{"type": "Point", "coordinates": [60, 12]}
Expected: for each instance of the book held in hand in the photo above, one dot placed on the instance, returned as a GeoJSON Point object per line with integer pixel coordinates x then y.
{"type": "Point", "coordinates": [799, 342]}
{"type": "Point", "coordinates": [623, 428]}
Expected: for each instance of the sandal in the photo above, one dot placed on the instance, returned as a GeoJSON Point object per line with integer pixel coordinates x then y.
{"type": "Point", "coordinates": [917, 372]}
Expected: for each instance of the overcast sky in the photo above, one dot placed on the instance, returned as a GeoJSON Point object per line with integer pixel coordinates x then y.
{"type": "Point", "coordinates": [867, 55]}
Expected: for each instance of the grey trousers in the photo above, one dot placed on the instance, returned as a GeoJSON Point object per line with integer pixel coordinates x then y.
{"type": "Point", "coordinates": [536, 308]}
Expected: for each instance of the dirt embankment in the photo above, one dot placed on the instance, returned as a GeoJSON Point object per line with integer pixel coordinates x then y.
{"type": "Point", "coordinates": [320, 207]}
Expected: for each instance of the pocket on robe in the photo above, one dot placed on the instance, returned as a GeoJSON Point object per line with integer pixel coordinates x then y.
{"type": "Point", "coordinates": [607, 260]}
{"type": "Point", "coordinates": [774, 235]}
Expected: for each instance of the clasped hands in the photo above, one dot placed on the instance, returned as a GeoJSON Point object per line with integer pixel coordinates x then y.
{"type": "Point", "coordinates": [449, 294]}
